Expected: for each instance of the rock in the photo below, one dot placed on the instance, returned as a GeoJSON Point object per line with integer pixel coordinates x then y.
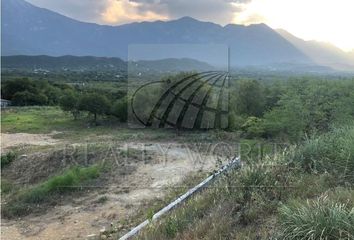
{"type": "Point", "coordinates": [103, 237]}
{"type": "Point", "coordinates": [92, 237]}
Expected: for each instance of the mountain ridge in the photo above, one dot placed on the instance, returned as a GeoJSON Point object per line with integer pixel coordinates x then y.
{"type": "Point", "coordinates": [320, 52]}
{"type": "Point", "coordinates": [39, 31]}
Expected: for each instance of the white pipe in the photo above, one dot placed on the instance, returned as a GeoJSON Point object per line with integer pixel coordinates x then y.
{"type": "Point", "coordinates": [234, 163]}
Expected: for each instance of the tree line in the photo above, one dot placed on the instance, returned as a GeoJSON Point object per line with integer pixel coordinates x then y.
{"type": "Point", "coordinates": [71, 98]}
{"type": "Point", "coordinates": [285, 109]}
{"type": "Point", "coordinates": [290, 109]}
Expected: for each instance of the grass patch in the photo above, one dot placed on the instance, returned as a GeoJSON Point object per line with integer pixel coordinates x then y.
{"type": "Point", "coordinates": [6, 186]}
{"type": "Point", "coordinates": [69, 181]}
{"type": "Point", "coordinates": [317, 219]}
{"type": "Point", "coordinates": [214, 213]}
{"type": "Point", "coordinates": [248, 203]}
{"type": "Point", "coordinates": [182, 218]}
{"type": "Point", "coordinates": [48, 119]}
{"type": "Point", "coordinates": [7, 158]}
{"type": "Point", "coordinates": [36, 120]}
{"type": "Point", "coordinates": [332, 153]}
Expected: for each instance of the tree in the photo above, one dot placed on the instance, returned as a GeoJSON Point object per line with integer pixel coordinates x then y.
{"type": "Point", "coordinates": [70, 103]}
{"type": "Point", "coordinates": [53, 93]}
{"type": "Point", "coordinates": [95, 104]}
{"type": "Point", "coordinates": [24, 91]}
{"type": "Point", "coordinates": [289, 119]}
{"type": "Point", "coordinates": [249, 98]}
{"type": "Point", "coordinates": [27, 98]}
{"type": "Point", "coordinates": [120, 109]}
{"type": "Point", "coordinates": [11, 87]}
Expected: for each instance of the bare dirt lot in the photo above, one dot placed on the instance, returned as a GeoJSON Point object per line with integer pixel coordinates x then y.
{"type": "Point", "coordinates": [21, 139]}
{"type": "Point", "coordinates": [120, 195]}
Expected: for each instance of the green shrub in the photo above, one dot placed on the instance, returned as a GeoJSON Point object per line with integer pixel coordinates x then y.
{"type": "Point", "coordinates": [288, 120]}
{"type": "Point", "coordinates": [102, 200]}
{"type": "Point", "coordinates": [236, 121]}
{"type": "Point", "coordinates": [253, 127]}
{"type": "Point", "coordinates": [332, 152]}
{"type": "Point", "coordinates": [318, 219]}
{"type": "Point", "coordinates": [7, 158]}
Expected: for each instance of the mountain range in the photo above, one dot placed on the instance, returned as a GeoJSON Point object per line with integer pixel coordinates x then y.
{"type": "Point", "coordinates": [30, 30]}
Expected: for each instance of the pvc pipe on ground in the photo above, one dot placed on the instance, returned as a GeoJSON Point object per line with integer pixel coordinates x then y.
{"type": "Point", "coordinates": [234, 163]}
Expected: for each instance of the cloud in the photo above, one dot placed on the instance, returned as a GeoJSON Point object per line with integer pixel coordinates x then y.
{"type": "Point", "coordinates": [122, 11]}
{"type": "Point", "coordinates": [219, 11]}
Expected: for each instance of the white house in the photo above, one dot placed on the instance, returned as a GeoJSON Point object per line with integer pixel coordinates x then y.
{"type": "Point", "coordinates": [4, 103]}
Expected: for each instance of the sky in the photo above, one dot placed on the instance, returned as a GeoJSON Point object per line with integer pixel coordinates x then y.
{"type": "Point", "coordinates": [330, 21]}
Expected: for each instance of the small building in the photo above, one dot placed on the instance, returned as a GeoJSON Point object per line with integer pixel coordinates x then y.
{"type": "Point", "coordinates": [5, 103]}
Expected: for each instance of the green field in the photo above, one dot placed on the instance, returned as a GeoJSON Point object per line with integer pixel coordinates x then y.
{"type": "Point", "coordinates": [36, 120]}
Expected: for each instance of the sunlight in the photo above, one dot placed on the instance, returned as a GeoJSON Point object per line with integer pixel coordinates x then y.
{"type": "Point", "coordinates": [126, 11]}
{"type": "Point", "coordinates": [321, 20]}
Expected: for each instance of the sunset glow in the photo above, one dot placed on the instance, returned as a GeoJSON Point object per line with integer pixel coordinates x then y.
{"type": "Point", "coordinates": [126, 11]}
{"type": "Point", "coordinates": [323, 20]}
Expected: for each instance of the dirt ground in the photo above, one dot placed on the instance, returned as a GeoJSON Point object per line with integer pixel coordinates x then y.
{"type": "Point", "coordinates": [20, 139]}
{"type": "Point", "coordinates": [85, 216]}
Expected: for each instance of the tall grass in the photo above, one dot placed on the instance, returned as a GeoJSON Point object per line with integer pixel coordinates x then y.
{"type": "Point", "coordinates": [317, 219]}
{"type": "Point", "coordinates": [183, 217]}
{"type": "Point", "coordinates": [68, 181]}
{"type": "Point", "coordinates": [240, 195]}
{"type": "Point", "coordinates": [332, 153]}
{"type": "Point", "coordinates": [22, 203]}
{"type": "Point", "coordinates": [7, 158]}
